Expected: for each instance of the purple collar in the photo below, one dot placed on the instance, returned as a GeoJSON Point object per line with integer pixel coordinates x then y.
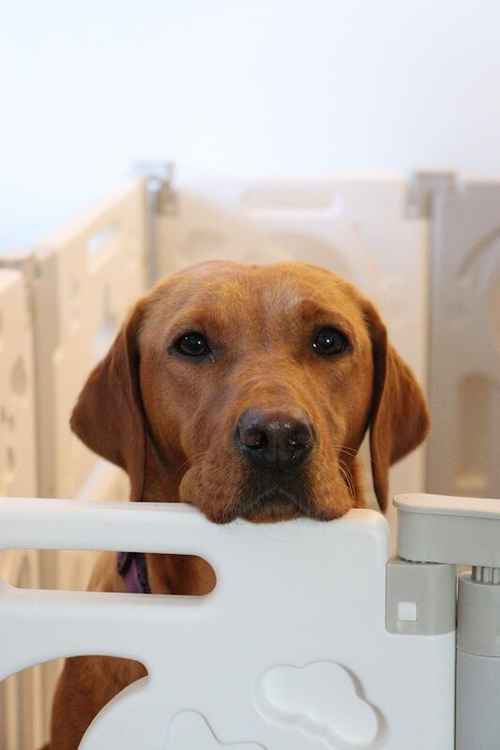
{"type": "Point", "coordinates": [133, 569]}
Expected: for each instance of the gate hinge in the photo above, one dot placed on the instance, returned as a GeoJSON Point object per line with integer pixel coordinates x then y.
{"type": "Point", "coordinates": [159, 185]}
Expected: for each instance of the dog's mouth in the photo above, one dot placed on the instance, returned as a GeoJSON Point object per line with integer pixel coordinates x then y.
{"type": "Point", "coordinates": [266, 499]}
{"type": "Point", "coordinates": [260, 496]}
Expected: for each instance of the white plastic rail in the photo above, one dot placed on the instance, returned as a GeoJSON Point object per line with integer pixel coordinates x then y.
{"type": "Point", "coordinates": [290, 651]}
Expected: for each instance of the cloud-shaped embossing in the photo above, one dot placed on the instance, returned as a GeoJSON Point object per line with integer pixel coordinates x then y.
{"type": "Point", "coordinates": [320, 699]}
{"type": "Point", "coordinates": [189, 730]}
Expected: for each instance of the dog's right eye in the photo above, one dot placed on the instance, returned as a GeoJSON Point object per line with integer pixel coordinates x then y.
{"type": "Point", "coordinates": [192, 344]}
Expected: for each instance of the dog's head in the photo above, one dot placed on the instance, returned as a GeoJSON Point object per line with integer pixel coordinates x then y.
{"type": "Point", "coordinates": [247, 390]}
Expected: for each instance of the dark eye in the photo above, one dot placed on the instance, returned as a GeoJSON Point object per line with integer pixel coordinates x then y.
{"type": "Point", "coordinates": [192, 344]}
{"type": "Point", "coordinates": [330, 341]}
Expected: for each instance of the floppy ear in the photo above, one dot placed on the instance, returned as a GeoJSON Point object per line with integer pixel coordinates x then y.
{"type": "Point", "coordinates": [399, 419]}
{"type": "Point", "coordinates": [108, 416]}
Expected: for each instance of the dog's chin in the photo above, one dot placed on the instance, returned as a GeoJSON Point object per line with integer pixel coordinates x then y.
{"type": "Point", "coordinates": [271, 510]}
{"type": "Point", "coordinates": [273, 505]}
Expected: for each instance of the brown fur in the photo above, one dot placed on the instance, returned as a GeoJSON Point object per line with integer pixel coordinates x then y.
{"type": "Point", "coordinates": [169, 422]}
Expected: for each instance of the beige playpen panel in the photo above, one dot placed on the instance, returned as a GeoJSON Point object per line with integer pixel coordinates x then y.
{"type": "Point", "coordinates": [357, 228]}
{"type": "Point", "coordinates": [21, 714]}
{"type": "Point", "coordinates": [84, 282]}
{"type": "Point", "coordinates": [17, 410]}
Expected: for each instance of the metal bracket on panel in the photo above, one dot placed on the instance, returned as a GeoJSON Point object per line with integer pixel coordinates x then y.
{"type": "Point", "coordinates": [422, 187]}
{"type": "Point", "coordinates": [161, 202]}
{"type": "Point", "coordinates": [159, 184]}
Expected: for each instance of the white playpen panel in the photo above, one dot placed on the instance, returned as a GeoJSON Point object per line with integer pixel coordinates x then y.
{"type": "Point", "coordinates": [289, 652]}
{"type": "Point", "coordinates": [357, 228]}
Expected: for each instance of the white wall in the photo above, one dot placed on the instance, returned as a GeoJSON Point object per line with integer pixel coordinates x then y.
{"type": "Point", "coordinates": [241, 87]}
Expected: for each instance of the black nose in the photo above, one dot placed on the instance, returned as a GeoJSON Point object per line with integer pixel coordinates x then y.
{"type": "Point", "coordinates": [274, 438]}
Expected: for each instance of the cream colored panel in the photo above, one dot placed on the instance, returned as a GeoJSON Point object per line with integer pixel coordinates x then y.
{"type": "Point", "coordinates": [200, 230]}
{"type": "Point", "coordinates": [20, 696]}
{"type": "Point", "coordinates": [85, 281]}
{"type": "Point", "coordinates": [17, 411]}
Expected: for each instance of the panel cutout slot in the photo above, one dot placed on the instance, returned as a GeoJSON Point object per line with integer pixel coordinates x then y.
{"type": "Point", "coordinates": [102, 243]}
{"type": "Point", "coordinates": [19, 377]}
{"type": "Point", "coordinates": [11, 459]}
{"type": "Point", "coordinates": [72, 570]}
{"type": "Point", "coordinates": [26, 697]}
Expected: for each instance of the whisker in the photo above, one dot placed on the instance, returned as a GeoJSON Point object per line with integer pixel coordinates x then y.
{"type": "Point", "coordinates": [348, 479]}
{"type": "Point", "coordinates": [345, 449]}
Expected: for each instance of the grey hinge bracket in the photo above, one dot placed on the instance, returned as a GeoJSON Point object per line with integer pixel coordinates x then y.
{"type": "Point", "coordinates": [420, 598]}
{"type": "Point", "coordinates": [161, 201]}
{"type": "Point", "coordinates": [451, 531]}
{"type": "Point", "coordinates": [159, 184]}
{"type": "Point", "coordinates": [422, 187]}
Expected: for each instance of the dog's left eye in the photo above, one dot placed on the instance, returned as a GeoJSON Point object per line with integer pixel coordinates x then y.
{"type": "Point", "coordinates": [193, 344]}
{"type": "Point", "coordinates": [330, 341]}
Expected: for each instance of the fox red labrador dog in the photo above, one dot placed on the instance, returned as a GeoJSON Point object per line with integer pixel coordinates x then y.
{"type": "Point", "coordinates": [246, 391]}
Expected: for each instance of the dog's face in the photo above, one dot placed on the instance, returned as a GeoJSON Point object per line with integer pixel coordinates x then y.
{"type": "Point", "coordinates": [262, 377]}
{"type": "Point", "coordinates": [247, 390]}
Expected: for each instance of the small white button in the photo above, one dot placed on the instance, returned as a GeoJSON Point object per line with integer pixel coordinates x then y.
{"type": "Point", "coordinates": [407, 611]}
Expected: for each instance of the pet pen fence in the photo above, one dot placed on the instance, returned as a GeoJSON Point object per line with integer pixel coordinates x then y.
{"type": "Point", "coordinates": [61, 304]}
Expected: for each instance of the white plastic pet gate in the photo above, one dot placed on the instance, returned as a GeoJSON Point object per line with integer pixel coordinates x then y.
{"type": "Point", "coordinates": [80, 284]}
{"type": "Point", "coordinates": [311, 638]}
{"type": "Point", "coordinates": [290, 652]}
